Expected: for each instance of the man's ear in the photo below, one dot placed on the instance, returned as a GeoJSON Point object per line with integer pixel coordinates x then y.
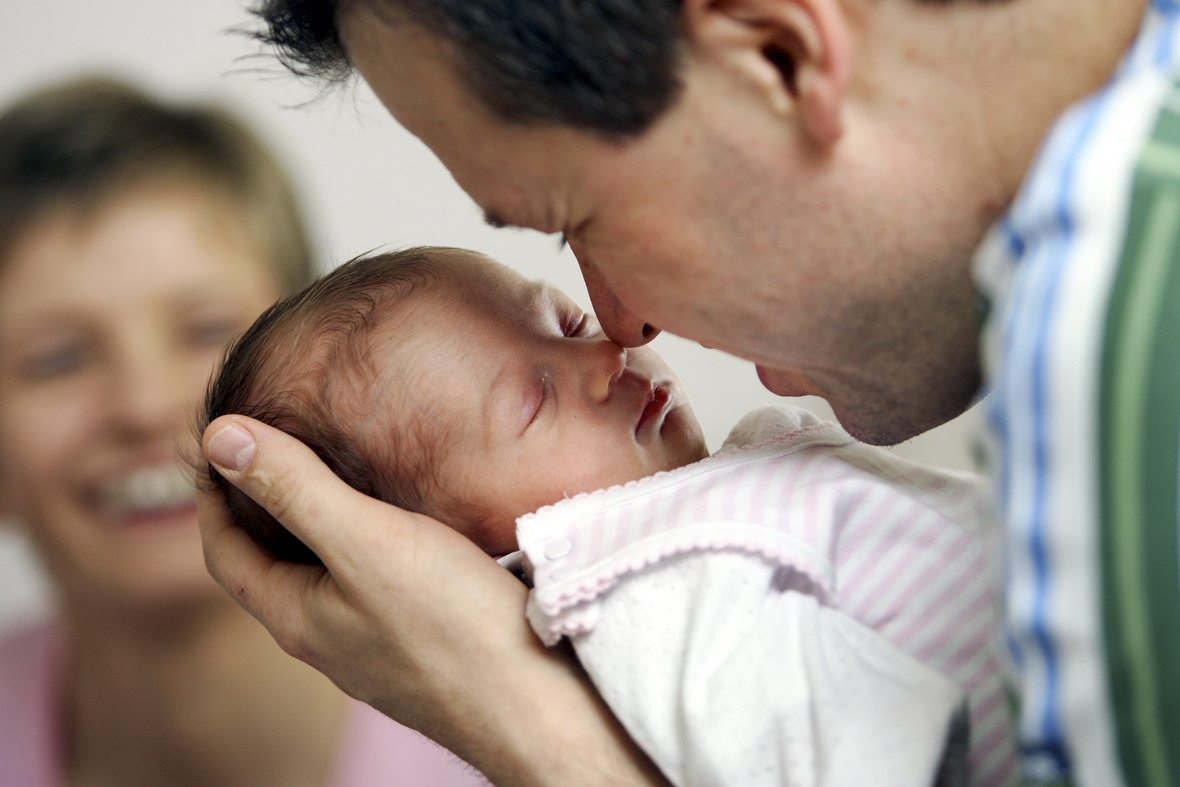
{"type": "Point", "coordinates": [798, 54]}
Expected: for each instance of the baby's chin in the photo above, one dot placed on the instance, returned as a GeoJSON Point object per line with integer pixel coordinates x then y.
{"type": "Point", "coordinates": [688, 440]}
{"type": "Point", "coordinates": [497, 538]}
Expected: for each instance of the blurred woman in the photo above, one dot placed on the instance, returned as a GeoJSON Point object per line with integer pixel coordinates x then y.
{"type": "Point", "coordinates": [135, 240]}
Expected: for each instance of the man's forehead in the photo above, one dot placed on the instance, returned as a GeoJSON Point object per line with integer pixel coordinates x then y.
{"type": "Point", "coordinates": [519, 173]}
{"type": "Point", "coordinates": [417, 63]}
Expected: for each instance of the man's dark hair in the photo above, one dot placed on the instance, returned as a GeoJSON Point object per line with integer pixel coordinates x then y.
{"type": "Point", "coordinates": [291, 369]}
{"type": "Point", "coordinates": [73, 146]}
{"type": "Point", "coordinates": [609, 66]}
{"type": "Point", "coordinates": [605, 66]}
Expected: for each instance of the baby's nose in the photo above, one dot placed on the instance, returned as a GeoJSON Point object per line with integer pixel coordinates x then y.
{"type": "Point", "coordinates": [605, 361]}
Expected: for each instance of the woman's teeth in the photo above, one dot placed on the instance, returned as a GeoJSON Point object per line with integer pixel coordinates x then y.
{"type": "Point", "coordinates": [150, 489]}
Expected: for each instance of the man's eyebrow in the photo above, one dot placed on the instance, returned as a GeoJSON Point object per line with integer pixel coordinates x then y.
{"type": "Point", "coordinates": [493, 219]}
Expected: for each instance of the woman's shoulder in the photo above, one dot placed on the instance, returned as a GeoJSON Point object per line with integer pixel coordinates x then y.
{"type": "Point", "coordinates": [378, 751]}
{"type": "Point", "coordinates": [29, 689]}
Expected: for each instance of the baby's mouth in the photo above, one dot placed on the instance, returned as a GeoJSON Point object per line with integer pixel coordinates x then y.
{"type": "Point", "coordinates": [149, 490]}
{"type": "Point", "coordinates": [657, 404]}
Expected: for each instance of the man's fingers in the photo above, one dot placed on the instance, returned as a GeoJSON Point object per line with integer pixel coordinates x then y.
{"type": "Point", "coordinates": [272, 591]}
{"type": "Point", "coordinates": [231, 555]}
{"type": "Point", "coordinates": [286, 478]}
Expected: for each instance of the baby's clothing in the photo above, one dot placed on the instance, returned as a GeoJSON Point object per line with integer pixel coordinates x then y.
{"type": "Point", "coordinates": [799, 609]}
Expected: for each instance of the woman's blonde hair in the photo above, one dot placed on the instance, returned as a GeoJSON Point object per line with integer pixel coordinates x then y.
{"type": "Point", "coordinates": [75, 145]}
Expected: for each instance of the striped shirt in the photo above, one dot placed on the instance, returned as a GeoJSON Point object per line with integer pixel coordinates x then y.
{"type": "Point", "coordinates": [1082, 359]}
{"type": "Point", "coordinates": [900, 551]}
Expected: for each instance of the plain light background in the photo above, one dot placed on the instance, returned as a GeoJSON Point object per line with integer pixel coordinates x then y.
{"type": "Point", "coordinates": [365, 182]}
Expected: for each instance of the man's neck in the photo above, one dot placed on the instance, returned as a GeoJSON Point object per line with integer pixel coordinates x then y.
{"type": "Point", "coordinates": [1015, 65]}
{"type": "Point", "coordinates": [947, 105]}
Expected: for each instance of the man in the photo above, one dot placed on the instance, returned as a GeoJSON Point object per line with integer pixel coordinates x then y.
{"type": "Point", "coordinates": [804, 183]}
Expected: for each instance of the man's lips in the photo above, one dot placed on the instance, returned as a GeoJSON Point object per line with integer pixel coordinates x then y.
{"type": "Point", "coordinates": [657, 405]}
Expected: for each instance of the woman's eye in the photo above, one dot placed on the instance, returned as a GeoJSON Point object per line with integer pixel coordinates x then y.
{"type": "Point", "coordinates": [214, 333]}
{"type": "Point", "coordinates": [55, 362]}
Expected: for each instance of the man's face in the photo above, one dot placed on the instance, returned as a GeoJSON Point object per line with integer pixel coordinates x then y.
{"type": "Point", "coordinates": [534, 403]}
{"type": "Point", "coordinates": [837, 271]}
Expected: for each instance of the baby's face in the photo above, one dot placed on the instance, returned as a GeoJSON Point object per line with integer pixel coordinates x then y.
{"type": "Point", "coordinates": [536, 403]}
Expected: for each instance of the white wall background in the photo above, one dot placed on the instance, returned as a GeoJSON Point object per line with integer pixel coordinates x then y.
{"type": "Point", "coordinates": [366, 183]}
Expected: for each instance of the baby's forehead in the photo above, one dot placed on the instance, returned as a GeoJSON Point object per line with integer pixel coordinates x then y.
{"type": "Point", "coordinates": [473, 279]}
{"type": "Point", "coordinates": [473, 268]}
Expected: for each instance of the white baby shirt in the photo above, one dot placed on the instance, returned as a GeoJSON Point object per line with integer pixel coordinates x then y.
{"type": "Point", "coordinates": [799, 609]}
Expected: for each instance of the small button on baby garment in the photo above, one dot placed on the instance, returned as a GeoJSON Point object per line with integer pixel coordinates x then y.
{"type": "Point", "coordinates": [558, 548]}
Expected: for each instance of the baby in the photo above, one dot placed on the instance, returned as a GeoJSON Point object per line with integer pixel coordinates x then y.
{"type": "Point", "coordinates": [796, 609]}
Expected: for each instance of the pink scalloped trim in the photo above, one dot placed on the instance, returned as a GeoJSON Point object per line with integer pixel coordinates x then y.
{"type": "Point", "coordinates": [582, 620]}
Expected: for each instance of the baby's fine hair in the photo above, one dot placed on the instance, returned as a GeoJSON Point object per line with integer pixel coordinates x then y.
{"type": "Point", "coordinates": [290, 369]}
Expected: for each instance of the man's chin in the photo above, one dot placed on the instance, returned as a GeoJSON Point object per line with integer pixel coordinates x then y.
{"type": "Point", "coordinates": [868, 418]}
{"type": "Point", "coordinates": [785, 383]}
{"type": "Point", "coordinates": [878, 433]}
{"type": "Point", "coordinates": [878, 425]}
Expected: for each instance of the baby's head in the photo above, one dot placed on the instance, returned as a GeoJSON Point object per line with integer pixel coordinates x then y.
{"type": "Point", "coordinates": [447, 384]}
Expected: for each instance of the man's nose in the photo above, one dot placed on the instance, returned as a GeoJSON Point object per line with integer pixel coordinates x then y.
{"type": "Point", "coordinates": [621, 325]}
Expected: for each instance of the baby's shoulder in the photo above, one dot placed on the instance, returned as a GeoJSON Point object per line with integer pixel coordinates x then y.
{"type": "Point", "coordinates": [767, 424]}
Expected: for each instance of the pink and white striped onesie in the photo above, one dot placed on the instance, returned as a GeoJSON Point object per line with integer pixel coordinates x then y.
{"type": "Point", "coordinates": [798, 609]}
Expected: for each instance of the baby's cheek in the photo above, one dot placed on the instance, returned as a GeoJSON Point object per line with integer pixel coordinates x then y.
{"type": "Point", "coordinates": [497, 537]}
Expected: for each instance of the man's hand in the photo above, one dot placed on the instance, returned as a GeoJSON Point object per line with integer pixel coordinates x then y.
{"type": "Point", "coordinates": [410, 617]}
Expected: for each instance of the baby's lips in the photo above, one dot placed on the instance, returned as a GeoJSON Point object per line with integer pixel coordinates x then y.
{"type": "Point", "coordinates": [655, 406]}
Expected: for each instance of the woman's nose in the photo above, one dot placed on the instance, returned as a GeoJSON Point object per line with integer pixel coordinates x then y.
{"type": "Point", "coordinates": [145, 396]}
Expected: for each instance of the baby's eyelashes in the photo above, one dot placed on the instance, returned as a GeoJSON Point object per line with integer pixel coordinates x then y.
{"type": "Point", "coordinates": [575, 326]}
{"type": "Point", "coordinates": [582, 325]}
{"type": "Point", "coordinates": [545, 398]}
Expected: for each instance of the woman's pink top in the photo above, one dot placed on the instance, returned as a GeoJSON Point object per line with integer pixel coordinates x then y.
{"type": "Point", "coordinates": [375, 750]}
